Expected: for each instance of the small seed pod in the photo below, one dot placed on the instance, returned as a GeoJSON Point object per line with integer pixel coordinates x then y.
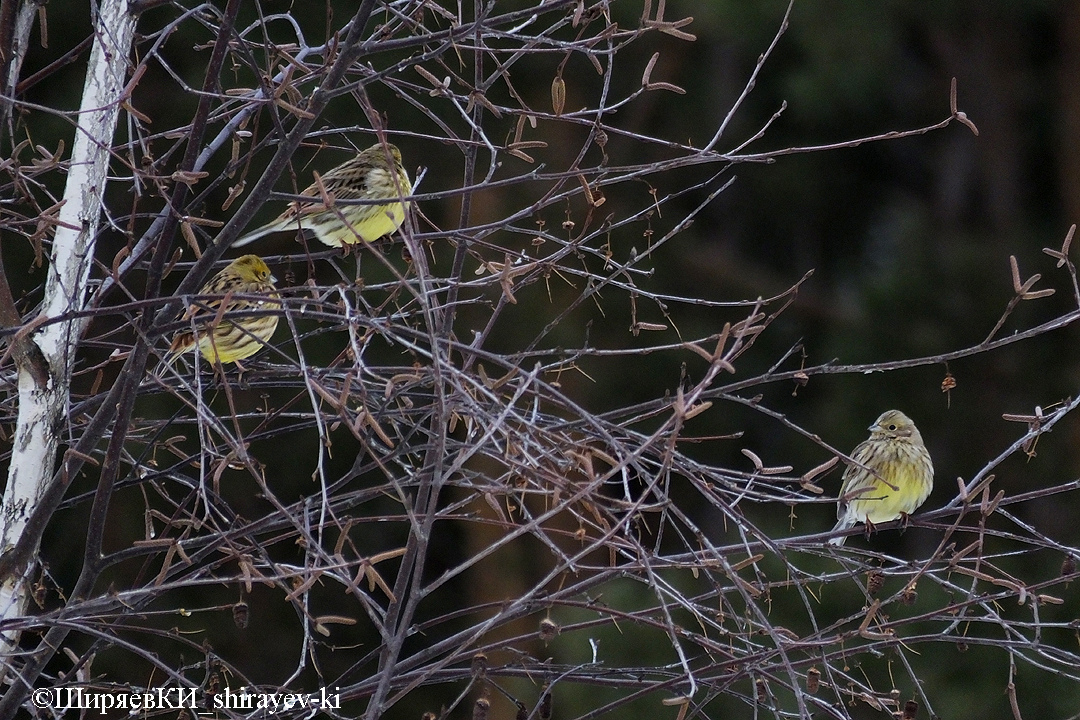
{"type": "Point", "coordinates": [911, 709]}
{"type": "Point", "coordinates": [548, 630]}
{"type": "Point", "coordinates": [481, 708]}
{"type": "Point", "coordinates": [1068, 566]}
{"type": "Point", "coordinates": [813, 680]}
{"type": "Point", "coordinates": [545, 706]}
{"type": "Point", "coordinates": [558, 94]}
{"type": "Point", "coordinates": [875, 580]}
{"type": "Point", "coordinates": [241, 614]}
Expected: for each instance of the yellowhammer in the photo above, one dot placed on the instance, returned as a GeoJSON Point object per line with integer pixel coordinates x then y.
{"type": "Point", "coordinates": [892, 478]}
{"type": "Point", "coordinates": [374, 174]}
{"type": "Point", "coordinates": [220, 334]}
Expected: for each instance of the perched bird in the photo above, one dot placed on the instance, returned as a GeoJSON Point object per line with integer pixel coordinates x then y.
{"type": "Point", "coordinates": [892, 478]}
{"type": "Point", "coordinates": [221, 334]}
{"type": "Point", "coordinates": [374, 174]}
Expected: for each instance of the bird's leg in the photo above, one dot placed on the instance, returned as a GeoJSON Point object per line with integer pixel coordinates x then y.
{"type": "Point", "coordinates": [868, 527]}
{"type": "Point", "coordinates": [904, 518]}
{"type": "Point", "coordinates": [240, 370]}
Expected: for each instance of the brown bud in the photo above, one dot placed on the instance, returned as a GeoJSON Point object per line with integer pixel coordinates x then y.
{"type": "Point", "coordinates": [481, 708]}
{"type": "Point", "coordinates": [1068, 566]}
{"type": "Point", "coordinates": [39, 594]}
{"type": "Point", "coordinates": [911, 709]}
{"type": "Point", "coordinates": [479, 664]}
{"type": "Point", "coordinates": [813, 680]}
{"type": "Point", "coordinates": [759, 684]}
{"type": "Point", "coordinates": [909, 596]}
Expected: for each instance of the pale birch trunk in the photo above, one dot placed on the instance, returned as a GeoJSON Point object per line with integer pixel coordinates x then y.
{"type": "Point", "coordinates": [43, 400]}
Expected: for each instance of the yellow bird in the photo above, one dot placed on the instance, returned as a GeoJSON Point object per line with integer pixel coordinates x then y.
{"type": "Point", "coordinates": [374, 174]}
{"type": "Point", "coordinates": [230, 338]}
{"type": "Point", "coordinates": [892, 477]}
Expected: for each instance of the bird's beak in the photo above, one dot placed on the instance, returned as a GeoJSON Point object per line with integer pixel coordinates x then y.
{"type": "Point", "coordinates": [273, 279]}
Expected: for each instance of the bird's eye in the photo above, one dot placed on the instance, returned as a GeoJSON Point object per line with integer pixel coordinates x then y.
{"type": "Point", "coordinates": [892, 427]}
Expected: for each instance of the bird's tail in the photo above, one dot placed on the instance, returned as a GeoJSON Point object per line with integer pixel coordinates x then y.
{"type": "Point", "coordinates": [181, 343]}
{"type": "Point", "coordinates": [841, 524]}
{"type": "Point", "coordinates": [256, 234]}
